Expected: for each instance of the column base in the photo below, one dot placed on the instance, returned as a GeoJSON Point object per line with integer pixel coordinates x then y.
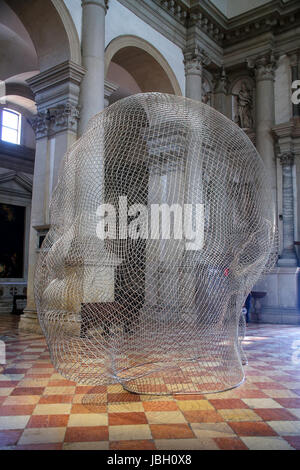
{"type": "Point", "coordinates": [29, 322]}
{"type": "Point", "coordinates": [281, 303]}
{"type": "Point", "coordinates": [287, 316]}
{"type": "Point", "coordinates": [288, 259]}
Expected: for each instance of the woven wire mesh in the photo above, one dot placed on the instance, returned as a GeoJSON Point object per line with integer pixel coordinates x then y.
{"type": "Point", "coordinates": [150, 313]}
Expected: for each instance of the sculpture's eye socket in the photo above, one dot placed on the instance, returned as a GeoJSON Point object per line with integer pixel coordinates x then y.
{"type": "Point", "coordinates": [160, 224]}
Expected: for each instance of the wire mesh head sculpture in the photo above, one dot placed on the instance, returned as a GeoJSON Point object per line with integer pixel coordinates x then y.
{"type": "Point", "coordinates": [161, 223]}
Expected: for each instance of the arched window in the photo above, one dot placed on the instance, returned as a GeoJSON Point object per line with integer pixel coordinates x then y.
{"type": "Point", "coordinates": [10, 126]}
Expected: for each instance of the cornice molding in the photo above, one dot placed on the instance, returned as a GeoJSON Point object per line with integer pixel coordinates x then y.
{"type": "Point", "coordinates": [276, 16]}
{"type": "Point", "coordinates": [167, 16]}
{"type": "Point", "coordinates": [287, 136]}
{"type": "Point", "coordinates": [159, 19]}
{"type": "Point", "coordinates": [21, 179]}
{"type": "Point", "coordinates": [56, 92]}
{"type": "Point", "coordinates": [16, 157]}
{"type": "Point", "coordinates": [109, 89]}
{"type": "Point", "coordinates": [194, 59]}
{"type": "Point", "coordinates": [287, 129]}
{"type": "Point", "coordinates": [65, 72]}
{"type": "Point", "coordinates": [176, 8]}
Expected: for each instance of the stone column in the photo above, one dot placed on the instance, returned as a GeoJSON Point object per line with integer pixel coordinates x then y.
{"type": "Point", "coordinates": [264, 67]}
{"type": "Point", "coordinates": [194, 59]}
{"type": "Point", "coordinates": [56, 94]}
{"type": "Point", "coordinates": [220, 91]}
{"type": "Point", "coordinates": [93, 49]}
{"type": "Point", "coordinates": [288, 256]}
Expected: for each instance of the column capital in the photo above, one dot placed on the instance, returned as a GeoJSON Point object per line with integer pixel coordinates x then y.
{"type": "Point", "coordinates": [294, 57]}
{"type": "Point", "coordinates": [286, 158]}
{"type": "Point", "coordinates": [56, 94]}
{"type": "Point", "coordinates": [60, 118]}
{"type": "Point", "coordinates": [194, 59]}
{"type": "Point", "coordinates": [264, 66]}
{"type": "Point", "coordinates": [99, 3]}
{"type": "Point", "coordinates": [64, 117]}
{"type": "Point", "coordinates": [40, 124]}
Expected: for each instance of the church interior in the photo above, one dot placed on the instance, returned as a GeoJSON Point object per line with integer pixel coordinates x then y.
{"type": "Point", "coordinates": [61, 63]}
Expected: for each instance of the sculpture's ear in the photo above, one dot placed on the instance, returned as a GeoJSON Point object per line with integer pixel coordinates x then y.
{"type": "Point", "coordinates": [258, 253]}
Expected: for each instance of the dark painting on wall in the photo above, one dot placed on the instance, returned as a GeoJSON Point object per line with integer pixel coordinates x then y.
{"type": "Point", "coordinates": [12, 231]}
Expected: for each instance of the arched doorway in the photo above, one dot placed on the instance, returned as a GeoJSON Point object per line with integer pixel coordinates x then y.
{"type": "Point", "coordinates": [135, 66]}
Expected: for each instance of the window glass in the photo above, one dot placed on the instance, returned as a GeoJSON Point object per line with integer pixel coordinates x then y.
{"type": "Point", "coordinates": [10, 135]}
{"type": "Point", "coordinates": [10, 119]}
{"type": "Point", "coordinates": [10, 126]}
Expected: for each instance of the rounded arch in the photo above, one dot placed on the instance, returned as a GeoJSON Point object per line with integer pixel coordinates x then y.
{"type": "Point", "coordinates": [58, 40]}
{"type": "Point", "coordinates": [126, 51]}
{"type": "Point", "coordinates": [71, 31]}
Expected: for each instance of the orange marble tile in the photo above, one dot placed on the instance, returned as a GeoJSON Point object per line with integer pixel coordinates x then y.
{"type": "Point", "coordinates": [80, 409]}
{"type": "Point", "coordinates": [275, 414]}
{"type": "Point", "coordinates": [88, 433]}
{"type": "Point", "coordinates": [48, 421]}
{"type": "Point", "coordinates": [229, 403]}
{"type": "Point", "coordinates": [132, 445]}
{"type": "Point", "coordinates": [28, 391]}
{"type": "Point", "coordinates": [252, 429]}
{"type": "Point", "coordinates": [55, 399]}
{"type": "Point", "coordinates": [171, 431]}
{"type": "Point", "coordinates": [160, 406]}
{"type": "Point", "coordinates": [117, 419]}
{"type": "Point", "coordinates": [206, 416]}
{"type": "Point", "coordinates": [230, 443]}
{"type": "Point", "coordinates": [57, 446]}
{"type": "Point", "coordinates": [16, 410]}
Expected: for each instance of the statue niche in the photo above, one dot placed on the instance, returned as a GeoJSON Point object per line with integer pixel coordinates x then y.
{"type": "Point", "coordinates": [243, 105]}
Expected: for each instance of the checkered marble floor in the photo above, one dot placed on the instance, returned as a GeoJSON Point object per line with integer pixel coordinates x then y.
{"type": "Point", "coordinates": [39, 409]}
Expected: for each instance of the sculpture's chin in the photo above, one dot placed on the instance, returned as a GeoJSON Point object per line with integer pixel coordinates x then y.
{"type": "Point", "coordinates": [207, 364]}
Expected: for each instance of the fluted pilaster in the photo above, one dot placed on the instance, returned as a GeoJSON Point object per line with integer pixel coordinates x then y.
{"type": "Point", "coordinates": [288, 256]}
